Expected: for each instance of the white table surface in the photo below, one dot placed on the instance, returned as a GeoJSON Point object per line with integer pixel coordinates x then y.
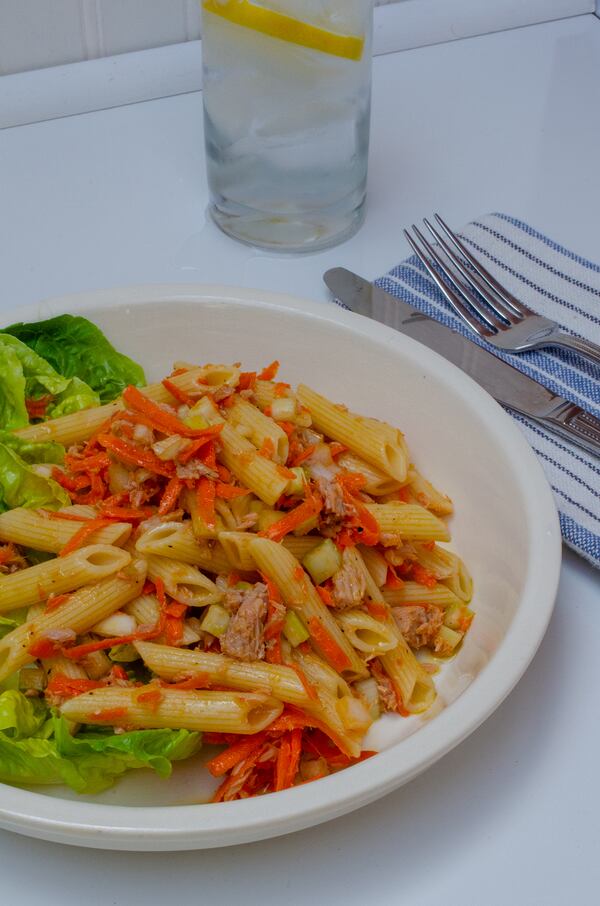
{"type": "Point", "coordinates": [504, 122]}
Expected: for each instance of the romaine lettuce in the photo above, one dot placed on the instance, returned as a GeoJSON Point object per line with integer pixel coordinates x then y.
{"type": "Point", "coordinates": [37, 748]}
{"type": "Point", "coordinates": [77, 348]}
{"type": "Point", "coordinates": [25, 375]}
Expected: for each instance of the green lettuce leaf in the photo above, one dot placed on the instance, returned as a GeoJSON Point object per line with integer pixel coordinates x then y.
{"type": "Point", "coordinates": [77, 348]}
{"type": "Point", "coordinates": [32, 452]}
{"type": "Point", "coordinates": [36, 748]}
{"type": "Point", "coordinates": [20, 485]}
{"type": "Point", "coordinates": [25, 375]}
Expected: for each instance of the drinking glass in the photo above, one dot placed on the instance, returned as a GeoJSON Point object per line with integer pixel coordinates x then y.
{"type": "Point", "coordinates": [287, 97]}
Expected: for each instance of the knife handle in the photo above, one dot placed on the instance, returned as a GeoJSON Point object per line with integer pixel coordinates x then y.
{"type": "Point", "coordinates": [575, 425]}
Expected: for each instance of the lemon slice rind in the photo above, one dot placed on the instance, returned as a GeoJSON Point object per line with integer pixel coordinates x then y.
{"type": "Point", "coordinates": [286, 28]}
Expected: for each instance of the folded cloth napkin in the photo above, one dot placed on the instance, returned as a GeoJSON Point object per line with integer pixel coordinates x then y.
{"type": "Point", "coordinates": [566, 288]}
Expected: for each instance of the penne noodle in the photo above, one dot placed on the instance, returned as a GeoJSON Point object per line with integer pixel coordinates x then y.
{"type": "Point", "coordinates": [415, 593]}
{"type": "Point", "coordinates": [183, 582]}
{"type": "Point", "coordinates": [375, 563]}
{"type": "Point", "coordinates": [80, 612]}
{"type": "Point", "coordinates": [301, 545]}
{"type": "Point", "coordinates": [407, 522]}
{"type": "Point", "coordinates": [39, 530]}
{"type": "Point", "coordinates": [216, 712]}
{"type": "Point", "coordinates": [176, 664]}
{"type": "Point", "coordinates": [378, 483]}
{"type": "Point", "coordinates": [60, 575]}
{"type": "Point", "coordinates": [429, 497]}
{"type": "Point", "coordinates": [372, 637]}
{"type": "Point", "coordinates": [236, 546]}
{"type": "Point", "coordinates": [379, 444]}
{"type": "Point", "coordinates": [176, 541]}
{"type": "Point", "coordinates": [300, 595]}
{"type": "Point", "coordinates": [259, 428]}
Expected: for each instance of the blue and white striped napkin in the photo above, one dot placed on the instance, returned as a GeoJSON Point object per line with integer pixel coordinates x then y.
{"type": "Point", "coordinates": [565, 287]}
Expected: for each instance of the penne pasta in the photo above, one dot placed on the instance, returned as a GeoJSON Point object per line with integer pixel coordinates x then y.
{"type": "Point", "coordinates": [429, 497]}
{"type": "Point", "coordinates": [299, 594]}
{"type": "Point", "coordinates": [407, 522]}
{"type": "Point", "coordinates": [60, 575]}
{"type": "Point", "coordinates": [379, 444]}
{"type": "Point", "coordinates": [372, 637]}
{"type": "Point", "coordinates": [183, 582]}
{"type": "Point", "coordinates": [41, 531]}
{"type": "Point", "coordinates": [377, 482]}
{"type": "Point", "coordinates": [83, 610]}
{"type": "Point", "coordinates": [415, 593]}
{"type": "Point", "coordinates": [175, 541]}
{"type": "Point", "coordinates": [259, 428]}
{"type": "Point", "coordinates": [216, 712]}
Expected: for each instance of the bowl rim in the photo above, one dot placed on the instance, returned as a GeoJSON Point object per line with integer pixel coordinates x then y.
{"type": "Point", "coordinates": [196, 826]}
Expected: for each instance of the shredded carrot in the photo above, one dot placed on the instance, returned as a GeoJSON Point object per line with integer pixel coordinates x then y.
{"type": "Point", "coordinates": [87, 463]}
{"type": "Point", "coordinates": [152, 697]}
{"type": "Point", "coordinates": [325, 595]}
{"type": "Point", "coordinates": [229, 491]}
{"type": "Point", "coordinates": [288, 760]}
{"type": "Point", "coordinates": [118, 672]}
{"type": "Point", "coordinates": [247, 380]}
{"type": "Point", "coordinates": [336, 449]}
{"type": "Point", "coordinates": [329, 647]}
{"type": "Point", "coordinates": [393, 580]}
{"type": "Point", "coordinates": [177, 393]}
{"type": "Point", "coordinates": [110, 715]}
{"type": "Point", "coordinates": [198, 444]}
{"type": "Point", "coordinates": [135, 456]}
{"type": "Point", "coordinates": [288, 427]}
{"type": "Point", "coordinates": [43, 648]}
{"type": "Point", "coordinates": [205, 496]}
{"type": "Point", "coordinates": [55, 601]}
{"type": "Point", "coordinates": [160, 591]}
{"type": "Point", "coordinates": [304, 511]}
{"type": "Point", "coordinates": [308, 687]}
{"type": "Point", "coordinates": [37, 408]}
{"type": "Point", "coordinates": [304, 454]}
{"type": "Point", "coordinates": [198, 681]}
{"type": "Point", "coordinates": [82, 535]}
{"type": "Point", "coordinates": [404, 494]}
{"type": "Point", "coordinates": [125, 514]}
{"type": "Point", "coordinates": [170, 496]}
{"type": "Point", "coordinates": [67, 687]}
{"type": "Point", "coordinates": [80, 651]}
{"type": "Point", "coordinates": [270, 372]}
{"type": "Point", "coordinates": [177, 371]}
{"type": "Point", "coordinates": [225, 761]}
{"type": "Point", "coordinates": [173, 630]}
{"type": "Point", "coordinates": [161, 420]}
{"type": "Point", "coordinates": [298, 574]}
{"type": "Point", "coordinates": [423, 576]}
{"type": "Point", "coordinates": [285, 473]}
{"type": "Point", "coordinates": [268, 448]}
{"type": "Point", "coordinates": [377, 610]}
{"type": "Point", "coordinates": [281, 389]}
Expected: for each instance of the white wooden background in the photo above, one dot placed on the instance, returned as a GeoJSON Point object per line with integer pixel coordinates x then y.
{"type": "Point", "coordinates": [40, 33]}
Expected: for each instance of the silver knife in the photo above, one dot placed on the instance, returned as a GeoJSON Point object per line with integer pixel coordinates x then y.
{"type": "Point", "coordinates": [506, 384]}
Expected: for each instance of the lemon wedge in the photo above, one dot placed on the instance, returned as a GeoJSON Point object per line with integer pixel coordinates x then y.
{"type": "Point", "coordinates": [286, 28]}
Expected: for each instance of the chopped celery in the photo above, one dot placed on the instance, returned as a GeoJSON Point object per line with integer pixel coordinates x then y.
{"type": "Point", "coordinates": [294, 629]}
{"type": "Point", "coordinates": [268, 517]}
{"type": "Point", "coordinates": [305, 527]}
{"type": "Point", "coordinates": [297, 485]}
{"type": "Point", "coordinates": [323, 561]}
{"type": "Point", "coordinates": [216, 620]}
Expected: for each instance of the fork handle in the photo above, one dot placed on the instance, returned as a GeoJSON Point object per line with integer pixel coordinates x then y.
{"type": "Point", "coordinates": [585, 348]}
{"type": "Point", "coordinates": [575, 425]}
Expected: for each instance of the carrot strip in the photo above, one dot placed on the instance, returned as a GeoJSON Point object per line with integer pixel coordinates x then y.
{"type": "Point", "coordinates": [71, 517]}
{"type": "Point", "coordinates": [247, 380]}
{"type": "Point", "coordinates": [111, 715]}
{"type": "Point", "coordinates": [268, 448]}
{"type": "Point", "coordinates": [288, 427]}
{"type": "Point", "coordinates": [198, 681]}
{"type": "Point", "coordinates": [43, 648]}
{"type": "Point", "coordinates": [163, 421]}
{"type": "Point", "coordinates": [152, 697]}
{"type": "Point", "coordinates": [423, 576]}
{"type": "Point", "coordinates": [177, 393]}
{"type": "Point", "coordinates": [81, 536]}
{"type": "Point", "coordinates": [125, 514]}
{"type": "Point", "coordinates": [300, 457]}
{"type": "Point", "coordinates": [37, 408]}
{"type": "Point", "coordinates": [160, 592]}
{"type": "Point", "coordinates": [377, 611]}
{"type": "Point", "coordinates": [325, 595]}
{"type": "Point", "coordinates": [170, 496]}
{"type": "Point", "coordinates": [330, 648]}
{"type": "Point", "coordinates": [205, 495]}
{"type": "Point", "coordinates": [87, 463]}
{"type": "Point", "coordinates": [135, 456]}
{"type": "Point", "coordinates": [67, 687]}
{"type": "Point", "coordinates": [54, 602]}
{"type": "Point", "coordinates": [306, 510]}
{"type": "Point", "coordinates": [270, 372]}
{"type": "Point", "coordinates": [393, 580]}
{"type": "Point", "coordinates": [336, 449]}
{"type": "Point", "coordinates": [237, 752]}
{"type": "Point", "coordinates": [308, 687]}
{"type": "Point", "coordinates": [229, 491]}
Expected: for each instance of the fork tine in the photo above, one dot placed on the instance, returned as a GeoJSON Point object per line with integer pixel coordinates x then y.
{"type": "Point", "coordinates": [491, 281]}
{"type": "Point", "coordinates": [475, 282]}
{"type": "Point", "coordinates": [464, 290]}
{"type": "Point", "coordinates": [458, 306]}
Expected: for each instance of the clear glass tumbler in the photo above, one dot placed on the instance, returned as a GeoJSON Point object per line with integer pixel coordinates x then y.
{"type": "Point", "coordinates": [287, 99]}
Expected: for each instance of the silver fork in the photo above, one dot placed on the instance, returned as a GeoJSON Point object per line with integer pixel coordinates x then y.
{"type": "Point", "coordinates": [501, 319]}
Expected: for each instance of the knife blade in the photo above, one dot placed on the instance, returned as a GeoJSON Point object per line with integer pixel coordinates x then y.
{"type": "Point", "coordinates": [506, 384]}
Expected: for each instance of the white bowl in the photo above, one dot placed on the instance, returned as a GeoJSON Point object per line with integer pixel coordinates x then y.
{"type": "Point", "coordinates": [505, 528]}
